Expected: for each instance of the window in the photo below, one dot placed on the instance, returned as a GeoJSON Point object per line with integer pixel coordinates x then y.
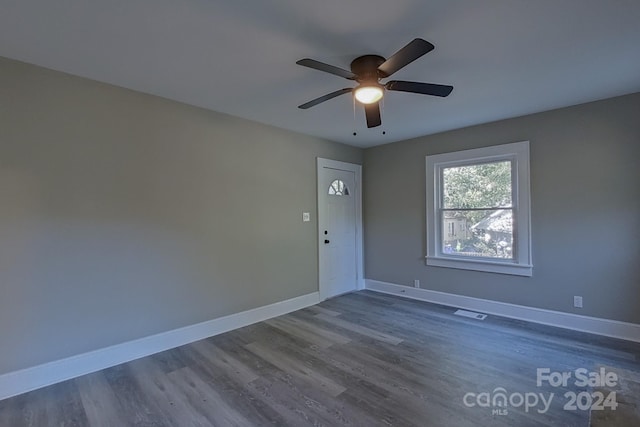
{"type": "Point", "coordinates": [338, 188]}
{"type": "Point", "coordinates": [478, 209]}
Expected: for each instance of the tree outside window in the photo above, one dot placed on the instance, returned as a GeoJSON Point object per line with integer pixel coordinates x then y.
{"type": "Point", "coordinates": [477, 210]}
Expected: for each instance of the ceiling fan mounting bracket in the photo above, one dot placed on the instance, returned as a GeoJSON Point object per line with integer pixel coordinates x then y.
{"type": "Point", "coordinates": [366, 67]}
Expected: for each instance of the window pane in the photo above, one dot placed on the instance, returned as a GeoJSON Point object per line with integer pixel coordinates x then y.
{"type": "Point", "coordinates": [486, 185]}
{"type": "Point", "coordinates": [483, 233]}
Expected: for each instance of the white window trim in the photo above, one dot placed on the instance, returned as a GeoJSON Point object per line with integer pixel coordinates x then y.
{"type": "Point", "coordinates": [518, 152]}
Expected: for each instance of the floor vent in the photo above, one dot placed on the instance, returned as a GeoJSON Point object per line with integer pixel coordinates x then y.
{"type": "Point", "coordinates": [471, 314]}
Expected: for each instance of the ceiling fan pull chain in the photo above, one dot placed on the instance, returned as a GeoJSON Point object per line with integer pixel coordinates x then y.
{"type": "Point", "coordinates": [382, 112]}
{"type": "Point", "coordinates": [353, 98]}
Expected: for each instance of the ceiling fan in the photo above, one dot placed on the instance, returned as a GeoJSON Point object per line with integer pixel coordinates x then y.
{"type": "Point", "coordinates": [368, 70]}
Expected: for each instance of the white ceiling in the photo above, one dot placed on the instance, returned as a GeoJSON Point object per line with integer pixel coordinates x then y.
{"type": "Point", "coordinates": [505, 58]}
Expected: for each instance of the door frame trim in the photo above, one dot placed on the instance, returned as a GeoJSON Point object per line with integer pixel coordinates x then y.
{"type": "Point", "coordinates": [357, 170]}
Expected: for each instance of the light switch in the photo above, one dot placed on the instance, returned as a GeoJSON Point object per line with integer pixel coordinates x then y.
{"type": "Point", "coordinates": [306, 217]}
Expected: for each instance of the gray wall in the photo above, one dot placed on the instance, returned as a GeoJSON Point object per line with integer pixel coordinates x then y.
{"type": "Point", "coordinates": [585, 191]}
{"type": "Point", "coordinates": [124, 215]}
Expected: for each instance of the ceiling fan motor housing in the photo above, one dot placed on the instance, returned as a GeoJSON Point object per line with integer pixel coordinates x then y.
{"type": "Point", "coordinates": [366, 68]}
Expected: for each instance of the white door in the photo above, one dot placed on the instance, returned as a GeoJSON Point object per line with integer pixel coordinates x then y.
{"type": "Point", "coordinates": [338, 226]}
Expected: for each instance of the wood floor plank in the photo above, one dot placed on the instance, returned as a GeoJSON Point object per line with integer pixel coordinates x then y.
{"type": "Point", "coordinates": [362, 330]}
{"type": "Point", "coordinates": [64, 405]}
{"type": "Point", "coordinates": [173, 404]}
{"type": "Point", "coordinates": [226, 363]}
{"type": "Point", "coordinates": [296, 367]}
{"type": "Point", "coordinates": [294, 407]}
{"type": "Point", "coordinates": [234, 391]}
{"type": "Point", "coordinates": [303, 334]}
{"type": "Point", "coordinates": [316, 309]}
{"type": "Point", "coordinates": [295, 400]}
{"type": "Point", "coordinates": [308, 331]}
{"type": "Point", "coordinates": [139, 409]}
{"type": "Point", "coordinates": [205, 400]}
{"type": "Point", "coordinates": [168, 361]}
{"type": "Point", "coordinates": [27, 410]}
{"type": "Point", "coordinates": [304, 403]}
{"type": "Point", "coordinates": [99, 401]}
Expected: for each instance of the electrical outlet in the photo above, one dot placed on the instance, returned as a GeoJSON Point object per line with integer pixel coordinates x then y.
{"type": "Point", "coordinates": [416, 283]}
{"type": "Point", "coordinates": [306, 217]}
{"type": "Point", "coordinates": [577, 301]}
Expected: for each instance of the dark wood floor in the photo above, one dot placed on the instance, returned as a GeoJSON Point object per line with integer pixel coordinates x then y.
{"type": "Point", "coordinates": [362, 359]}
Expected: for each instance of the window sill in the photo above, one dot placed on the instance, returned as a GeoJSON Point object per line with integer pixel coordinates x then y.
{"type": "Point", "coordinates": [482, 265]}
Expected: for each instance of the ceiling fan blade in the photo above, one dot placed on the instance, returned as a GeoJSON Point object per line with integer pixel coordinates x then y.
{"type": "Point", "coordinates": [325, 98]}
{"type": "Point", "coordinates": [372, 111]}
{"type": "Point", "coordinates": [412, 51]}
{"type": "Point", "coordinates": [422, 88]}
{"type": "Point", "coordinates": [321, 66]}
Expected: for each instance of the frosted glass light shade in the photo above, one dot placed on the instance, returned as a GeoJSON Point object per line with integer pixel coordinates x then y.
{"type": "Point", "coordinates": [368, 94]}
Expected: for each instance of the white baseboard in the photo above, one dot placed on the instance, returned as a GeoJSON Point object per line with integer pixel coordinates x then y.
{"type": "Point", "coordinates": [18, 382]}
{"type": "Point", "coordinates": [576, 322]}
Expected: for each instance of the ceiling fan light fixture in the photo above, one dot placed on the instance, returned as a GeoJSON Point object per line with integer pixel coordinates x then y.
{"type": "Point", "coordinates": [368, 93]}
{"type": "Point", "coordinates": [367, 70]}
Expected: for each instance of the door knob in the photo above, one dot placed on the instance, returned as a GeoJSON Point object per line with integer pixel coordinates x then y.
{"type": "Point", "coordinates": [326, 241]}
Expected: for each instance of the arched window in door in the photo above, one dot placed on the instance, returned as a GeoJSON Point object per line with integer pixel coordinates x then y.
{"type": "Point", "coordinates": [338, 188]}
